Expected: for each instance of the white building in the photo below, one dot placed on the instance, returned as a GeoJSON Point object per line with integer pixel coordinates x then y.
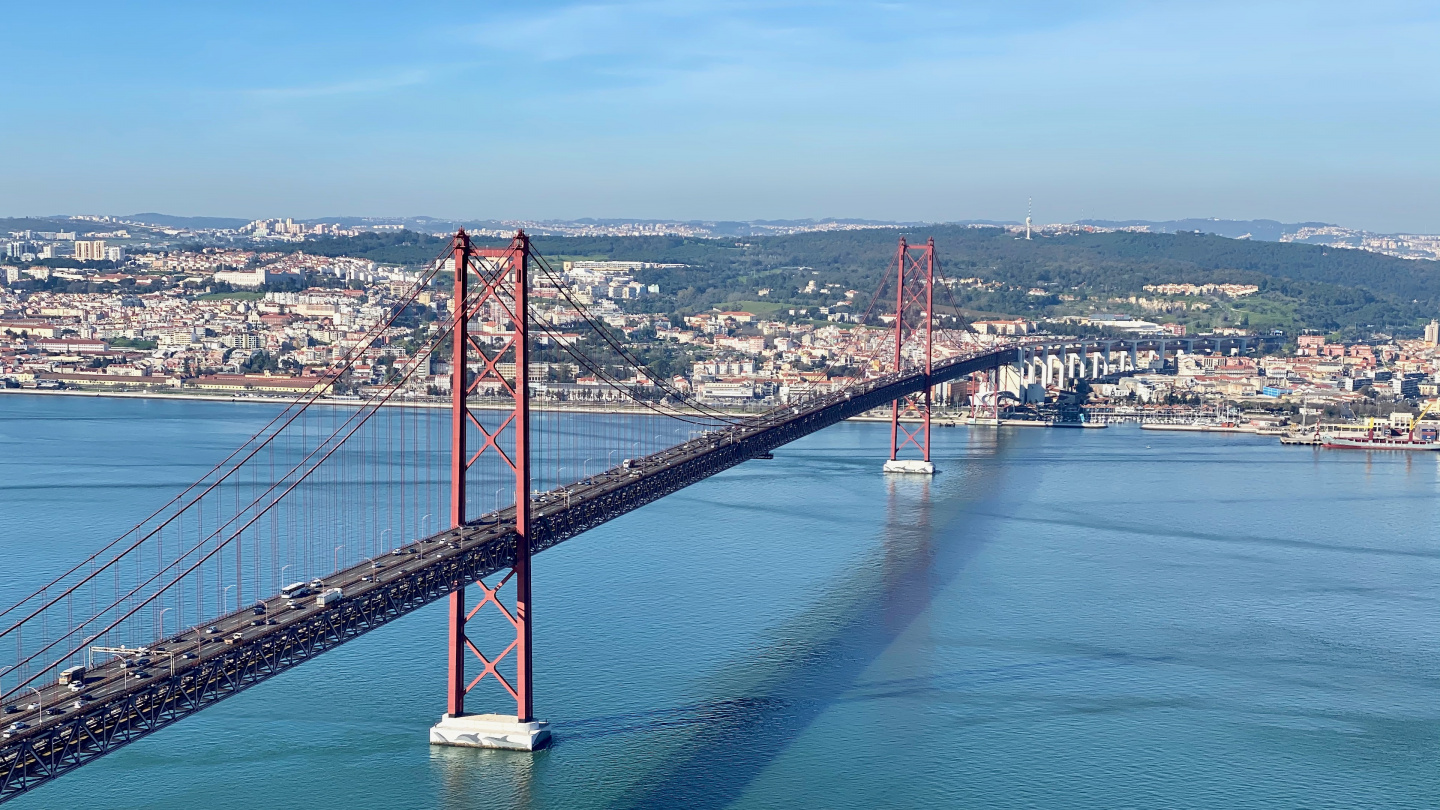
{"type": "Point", "coordinates": [728, 390]}
{"type": "Point", "coordinates": [176, 336]}
{"type": "Point", "coordinates": [243, 278]}
{"type": "Point", "coordinates": [90, 250]}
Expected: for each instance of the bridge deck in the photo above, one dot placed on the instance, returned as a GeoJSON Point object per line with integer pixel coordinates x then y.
{"type": "Point", "coordinates": [193, 670]}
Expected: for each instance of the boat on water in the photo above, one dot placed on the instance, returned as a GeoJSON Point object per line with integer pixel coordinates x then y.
{"type": "Point", "coordinates": [1377, 442]}
{"type": "Point", "coordinates": [1403, 432]}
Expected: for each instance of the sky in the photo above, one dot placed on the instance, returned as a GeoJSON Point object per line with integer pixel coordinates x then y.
{"type": "Point", "coordinates": [1326, 111]}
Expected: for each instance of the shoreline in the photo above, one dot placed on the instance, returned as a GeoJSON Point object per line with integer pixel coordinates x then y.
{"type": "Point", "coordinates": [548, 406]}
{"type": "Point", "coordinates": [330, 401]}
{"type": "Point", "coordinates": [939, 419]}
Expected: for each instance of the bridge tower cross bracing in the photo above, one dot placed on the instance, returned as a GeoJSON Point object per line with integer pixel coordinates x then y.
{"type": "Point", "coordinates": [503, 287]}
{"type": "Point", "coordinates": [914, 320]}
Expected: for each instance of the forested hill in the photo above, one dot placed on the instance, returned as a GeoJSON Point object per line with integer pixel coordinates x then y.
{"type": "Point", "coordinates": [1302, 286]}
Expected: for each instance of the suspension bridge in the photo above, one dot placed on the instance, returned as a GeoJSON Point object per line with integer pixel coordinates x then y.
{"type": "Point", "coordinates": [327, 523]}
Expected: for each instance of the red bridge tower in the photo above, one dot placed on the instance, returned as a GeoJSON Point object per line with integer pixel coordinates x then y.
{"type": "Point", "coordinates": [501, 292]}
{"type": "Point", "coordinates": [914, 345]}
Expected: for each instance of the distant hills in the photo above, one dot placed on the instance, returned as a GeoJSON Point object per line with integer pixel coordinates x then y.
{"type": "Point", "coordinates": [1062, 273]}
{"type": "Point", "coordinates": [1301, 286]}
{"type": "Point", "coordinates": [1262, 230]}
{"type": "Point", "coordinates": [193, 223]}
{"type": "Point", "coordinates": [1265, 230]}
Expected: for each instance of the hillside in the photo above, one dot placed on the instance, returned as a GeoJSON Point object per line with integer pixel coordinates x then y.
{"type": "Point", "coordinates": [1302, 286]}
{"type": "Point", "coordinates": [169, 221]}
{"type": "Point", "coordinates": [10, 225]}
{"type": "Point", "coordinates": [1266, 229]}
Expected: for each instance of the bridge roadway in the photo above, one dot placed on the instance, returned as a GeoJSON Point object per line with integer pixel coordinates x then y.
{"type": "Point", "coordinates": [195, 669]}
{"type": "Point", "coordinates": [60, 730]}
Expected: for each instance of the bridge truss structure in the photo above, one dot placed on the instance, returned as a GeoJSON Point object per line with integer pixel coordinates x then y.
{"type": "Point", "coordinates": [342, 497]}
{"type": "Point", "coordinates": [502, 276]}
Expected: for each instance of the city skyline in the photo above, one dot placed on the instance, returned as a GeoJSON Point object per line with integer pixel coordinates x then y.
{"type": "Point", "coordinates": [719, 112]}
{"type": "Point", "coordinates": [52, 232]}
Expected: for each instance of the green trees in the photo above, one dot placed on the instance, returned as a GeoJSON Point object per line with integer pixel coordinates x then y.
{"type": "Point", "coordinates": [132, 343]}
{"type": "Point", "coordinates": [1301, 286]}
{"type": "Point", "coordinates": [259, 363]}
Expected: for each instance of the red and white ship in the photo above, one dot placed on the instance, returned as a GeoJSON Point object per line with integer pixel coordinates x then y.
{"type": "Point", "coordinates": [1379, 442]}
{"type": "Point", "coordinates": [1404, 433]}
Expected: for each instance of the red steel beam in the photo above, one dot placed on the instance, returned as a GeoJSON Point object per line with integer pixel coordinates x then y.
{"type": "Point", "coordinates": [455, 684]}
{"type": "Point", "coordinates": [929, 331]}
{"type": "Point", "coordinates": [523, 699]}
{"type": "Point", "coordinates": [900, 254]}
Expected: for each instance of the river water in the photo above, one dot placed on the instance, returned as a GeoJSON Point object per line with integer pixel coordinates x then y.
{"type": "Point", "coordinates": [1064, 619]}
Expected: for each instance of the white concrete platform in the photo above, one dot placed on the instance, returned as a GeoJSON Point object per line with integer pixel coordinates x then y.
{"type": "Point", "coordinates": [910, 465]}
{"type": "Point", "coordinates": [490, 731]}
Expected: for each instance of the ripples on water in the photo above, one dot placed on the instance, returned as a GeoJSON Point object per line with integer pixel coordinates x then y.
{"type": "Point", "coordinates": [1065, 619]}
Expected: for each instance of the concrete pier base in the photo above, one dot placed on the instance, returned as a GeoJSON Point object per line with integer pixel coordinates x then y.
{"type": "Point", "coordinates": [911, 466]}
{"type": "Point", "coordinates": [490, 731]}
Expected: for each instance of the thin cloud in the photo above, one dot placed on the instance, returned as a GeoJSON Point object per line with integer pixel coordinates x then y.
{"type": "Point", "coordinates": [359, 87]}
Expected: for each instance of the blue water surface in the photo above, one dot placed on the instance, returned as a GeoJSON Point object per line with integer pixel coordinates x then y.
{"type": "Point", "coordinates": [1064, 619]}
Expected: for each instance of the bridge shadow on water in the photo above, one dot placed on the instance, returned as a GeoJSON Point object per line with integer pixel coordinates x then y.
{"type": "Point", "coordinates": [819, 657]}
